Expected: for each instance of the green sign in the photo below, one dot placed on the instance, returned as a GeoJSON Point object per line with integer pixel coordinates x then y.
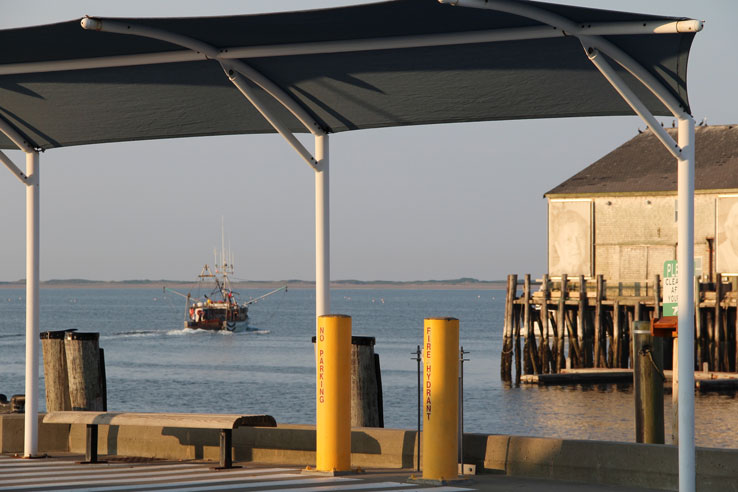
{"type": "Point", "coordinates": [669, 289]}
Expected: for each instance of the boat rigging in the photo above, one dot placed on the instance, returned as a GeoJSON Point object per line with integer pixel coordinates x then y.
{"type": "Point", "coordinates": [221, 309]}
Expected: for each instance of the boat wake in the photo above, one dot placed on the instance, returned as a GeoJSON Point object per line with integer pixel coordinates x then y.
{"type": "Point", "coordinates": [12, 335]}
{"type": "Point", "coordinates": [134, 334]}
{"type": "Point", "coordinates": [194, 331]}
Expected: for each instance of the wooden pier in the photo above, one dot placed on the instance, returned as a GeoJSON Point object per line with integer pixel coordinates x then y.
{"type": "Point", "coordinates": [586, 323]}
{"type": "Point", "coordinates": [703, 381]}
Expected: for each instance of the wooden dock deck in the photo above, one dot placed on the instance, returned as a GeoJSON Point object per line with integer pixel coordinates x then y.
{"type": "Point", "coordinates": [705, 381]}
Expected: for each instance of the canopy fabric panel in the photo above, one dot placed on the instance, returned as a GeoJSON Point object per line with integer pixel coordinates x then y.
{"type": "Point", "coordinates": [538, 78]}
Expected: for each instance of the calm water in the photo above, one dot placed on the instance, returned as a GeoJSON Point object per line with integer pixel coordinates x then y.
{"type": "Point", "coordinates": [154, 365]}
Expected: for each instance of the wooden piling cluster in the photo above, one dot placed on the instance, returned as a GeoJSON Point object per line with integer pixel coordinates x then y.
{"type": "Point", "coordinates": [587, 323]}
{"type": "Point", "coordinates": [74, 371]}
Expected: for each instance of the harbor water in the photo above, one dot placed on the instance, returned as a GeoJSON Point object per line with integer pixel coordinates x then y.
{"type": "Point", "coordinates": [153, 364]}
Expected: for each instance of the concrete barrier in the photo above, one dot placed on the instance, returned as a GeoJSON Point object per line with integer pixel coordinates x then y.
{"type": "Point", "coordinates": [614, 463]}
{"type": "Point", "coordinates": [51, 438]}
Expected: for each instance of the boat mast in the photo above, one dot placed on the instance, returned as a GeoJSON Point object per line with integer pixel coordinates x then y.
{"type": "Point", "coordinates": [225, 288]}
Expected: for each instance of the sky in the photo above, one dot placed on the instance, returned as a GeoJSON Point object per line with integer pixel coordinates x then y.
{"type": "Point", "coordinates": [407, 203]}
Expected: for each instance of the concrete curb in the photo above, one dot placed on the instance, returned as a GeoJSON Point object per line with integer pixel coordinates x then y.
{"type": "Point", "coordinates": [597, 462]}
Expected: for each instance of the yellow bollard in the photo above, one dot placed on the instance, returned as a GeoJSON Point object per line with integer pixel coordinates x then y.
{"type": "Point", "coordinates": [333, 394]}
{"type": "Point", "coordinates": [440, 398]}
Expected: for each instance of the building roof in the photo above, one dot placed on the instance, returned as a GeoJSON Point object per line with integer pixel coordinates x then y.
{"type": "Point", "coordinates": [643, 165]}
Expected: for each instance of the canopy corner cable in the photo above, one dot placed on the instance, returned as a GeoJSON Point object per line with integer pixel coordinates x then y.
{"type": "Point", "coordinates": [211, 53]}
{"type": "Point", "coordinates": [633, 101]}
{"type": "Point", "coordinates": [236, 79]}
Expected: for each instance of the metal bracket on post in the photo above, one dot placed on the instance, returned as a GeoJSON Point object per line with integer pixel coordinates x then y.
{"type": "Point", "coordinates": [14, 169]}
{"type": "Point", "coordinates": [226, 450]}
{"type": "Point", "coordinates": [241, 84]}
{"type": "Point", "coordinates": [23, 144]}
{"type": "Point", "coordinates": [633, 101]}
{"type": "Point", "coordinates": [91, 455]}
{"type": "Point", "coordinates": [16, 137]}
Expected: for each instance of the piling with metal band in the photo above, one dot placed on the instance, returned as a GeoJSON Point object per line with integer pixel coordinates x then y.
{"type": "Point", "coordinates": [440, 398]}
{"type": "Point", "coordinates": [648, 384]}
{"type": "Point", "coordinates": [333, 393]}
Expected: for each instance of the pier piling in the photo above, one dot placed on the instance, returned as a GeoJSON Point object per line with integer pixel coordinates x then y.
{"type": "Point", "coordinates": [83, 371]}
{"type": "Point", "coordinates": [55, 371]}
{"type": "Point", "coordinates": [648, 380]}
{"type": "Point", "coordinates": [586, 324]}
{"type": "Point", "coordinates": [507, 346]}
{"type": "Point", "coordinates": [365, 390]}
{"type": "Point", "coordinates": [545, 349]}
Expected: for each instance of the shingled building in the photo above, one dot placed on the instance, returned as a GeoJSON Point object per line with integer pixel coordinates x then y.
{"type": "Point", "coordinates": [618, 217]}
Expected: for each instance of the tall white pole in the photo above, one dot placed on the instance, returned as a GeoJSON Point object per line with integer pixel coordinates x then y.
{"type": "Point", "coordinates": [685, 259]}
{"type": "Point", "coordinates": [30, 447]}
{"type": "Point", "coordinates": [322, 229]}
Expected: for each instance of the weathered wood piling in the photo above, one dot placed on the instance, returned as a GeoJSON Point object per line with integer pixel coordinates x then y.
{"type": "Point", "coordinates": [648, 382]}
{"type": "Point", "coordinates": [366, 384]}
{"type": "Point", "coordinates": [507, 343]}
{"type": "Point", "coordinates": [367, 405]}
{"type": "Point", "coordinates": [74, 371]}
{"type": "Point", "coordinates": [55, 371]}
{"type": "Point", "coordinates": [83, 371]}
{"type": "Point", "coordinates": [587, 323]}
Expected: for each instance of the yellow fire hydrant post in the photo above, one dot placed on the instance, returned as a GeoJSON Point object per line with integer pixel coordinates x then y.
{"type": "Point", "coordinates": [333, 394]}
{"type": "Point", "coordinates": [440, 399]}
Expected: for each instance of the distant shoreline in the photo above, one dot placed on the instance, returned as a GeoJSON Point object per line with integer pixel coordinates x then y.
{"type": "Point", "coordinates": [461, 284]}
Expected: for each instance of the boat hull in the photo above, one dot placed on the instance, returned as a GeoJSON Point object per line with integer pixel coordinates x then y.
{"type": "Point", "coordinates": [216, 317]}
{"type": "Point", "coordinates": [214, 325]}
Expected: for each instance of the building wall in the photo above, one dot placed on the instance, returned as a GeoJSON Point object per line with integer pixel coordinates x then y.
{"type": "Point", "coordinates": [634, 235]}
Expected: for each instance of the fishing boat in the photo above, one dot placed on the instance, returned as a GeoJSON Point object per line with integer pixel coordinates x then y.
{"type": "Point", "coordinates": [221, 308]}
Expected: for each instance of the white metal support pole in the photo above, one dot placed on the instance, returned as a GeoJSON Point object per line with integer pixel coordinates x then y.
{"type": "Point", "coordinates": [30, 442]}
{"type": "Point", "coordinates": [322, 229]}
{"type": "Point", "coordinates": [685, 262]}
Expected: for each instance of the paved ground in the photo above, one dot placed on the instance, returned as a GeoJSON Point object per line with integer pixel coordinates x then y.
{"type": "Point", "coordinates": [63, 473]}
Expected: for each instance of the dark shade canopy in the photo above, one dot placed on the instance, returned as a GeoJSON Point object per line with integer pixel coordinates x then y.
{"type": "Point", "coordinates": [539, 78]}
